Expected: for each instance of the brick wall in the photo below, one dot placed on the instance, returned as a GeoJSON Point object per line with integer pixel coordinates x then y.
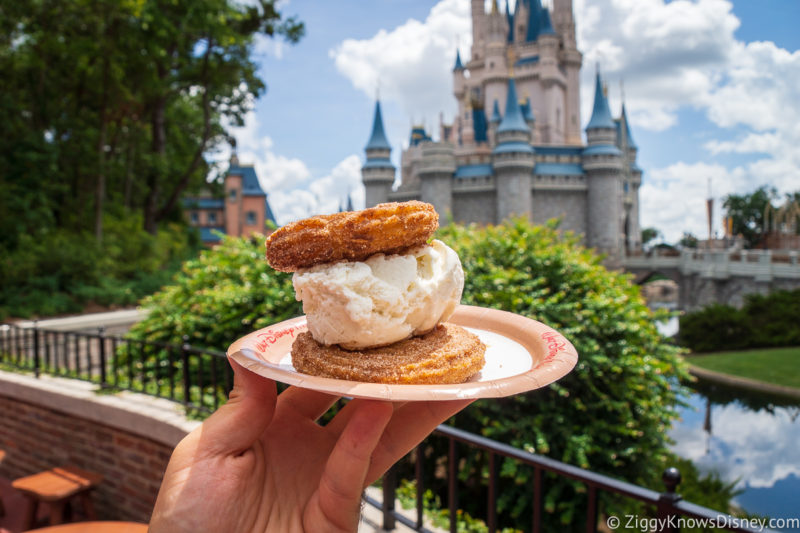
{"type": "Point", "coordinates": [37, 439]}
{"type": "Point", "coordinates": [49, 423]}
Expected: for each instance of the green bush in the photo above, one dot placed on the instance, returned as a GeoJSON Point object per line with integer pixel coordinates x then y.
{"type": "Point", "coordinates": [610, 414]}
{"type": "Point", "coordinates": [226, 292]}
{"type": "Point", "coordinates": [60, 271]}
{"type": "Point", "coordinates": [764, 321]}
{"type": "Point", "coordinates": [716, 327]}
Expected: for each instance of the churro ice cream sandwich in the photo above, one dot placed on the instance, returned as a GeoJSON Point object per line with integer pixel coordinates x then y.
{"type": "Point", "coordinates": [377, 295]}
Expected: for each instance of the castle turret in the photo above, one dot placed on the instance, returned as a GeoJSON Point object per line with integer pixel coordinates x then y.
{"type": "Point", "coordinates": [563, 23]}
{"type": "Point", "coordinates": [632, 179]}
{"type": "Point", "coordinates": [378, 170]}
{"type": "Point", "coordinates": [603, 163]}
{"type": "Point", "coordinates": [436, 169]}
{"type": "Point", "coordinates": [494, 122]}
{"type": "Point", "coordinates": [512, 160]}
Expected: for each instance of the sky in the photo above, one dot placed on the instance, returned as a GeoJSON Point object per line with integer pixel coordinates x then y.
{"type": "Point", "coordinates": [711, 87]}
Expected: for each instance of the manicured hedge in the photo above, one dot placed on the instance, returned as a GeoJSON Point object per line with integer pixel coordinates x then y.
{"type": "Point", "coordinates": [764, 321]}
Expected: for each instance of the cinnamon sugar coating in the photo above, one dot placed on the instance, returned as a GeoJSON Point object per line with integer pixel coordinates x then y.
{"type": "Point", "coordinates": [352, 236]}
{"type": "Point", "coordinates": [447, 354]}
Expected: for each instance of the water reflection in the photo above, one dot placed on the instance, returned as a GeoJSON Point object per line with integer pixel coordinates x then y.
{"type": "Point", "coordinates": [752, 438]}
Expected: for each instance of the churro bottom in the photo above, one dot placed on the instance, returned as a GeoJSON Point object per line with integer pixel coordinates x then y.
{"type": "Point", "coordinates": [446, 354]}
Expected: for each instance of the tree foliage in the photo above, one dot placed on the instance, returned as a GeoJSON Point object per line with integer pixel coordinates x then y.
{"type": "Point", "coordinates": [610, 414]}
{"type": "Point", "coordinates": [108, 106]}
{"type": "Point", "coordinates": [764, 321]}
{"type": "Point", "coordinates": [108, 109]}
{"type": "Point", "coordinates": [747, 213]}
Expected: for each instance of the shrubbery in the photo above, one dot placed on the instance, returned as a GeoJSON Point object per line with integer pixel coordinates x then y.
{"type": "Point", "coordinates": [60, 271]}
{"type": "Point", "coordinates": [610, 414]}
{"type": "Point", "coordinates": [221, 295]}
{"type": "Point", "coordinates": [764, 321]}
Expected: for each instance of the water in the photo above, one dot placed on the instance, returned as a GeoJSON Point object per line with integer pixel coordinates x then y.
{"type": "Point", "coordinates": [749, 438]}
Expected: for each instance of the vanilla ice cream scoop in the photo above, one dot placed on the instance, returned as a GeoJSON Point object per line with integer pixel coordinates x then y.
{"type": "Point", "coordinates": [382, 300]}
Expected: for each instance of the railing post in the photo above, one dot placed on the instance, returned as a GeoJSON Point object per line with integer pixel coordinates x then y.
{"type": "Point", "coordinates": [36, 348]}
{"type": "Point", "coordinates": [389, 484]}
{"type": "Point", "coordinates": [101, 338]}
{"type": "Point", "coordinates": [666, 501]}
{"type": "Point", "coordinates": [185, 366]}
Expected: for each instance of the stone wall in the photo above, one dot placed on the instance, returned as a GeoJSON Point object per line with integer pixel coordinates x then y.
{"type": "Point", "coordinates": [127, 438]}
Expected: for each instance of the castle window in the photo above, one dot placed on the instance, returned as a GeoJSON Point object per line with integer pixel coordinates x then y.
{"type": "Point", "coordinates": [212, 218]}
{"type": "Point", "coordinates": [251, 218]}
{"type": "Point", "coordinates": [194, 217]}
{"type": "Point", "coordinates": [232, 195]}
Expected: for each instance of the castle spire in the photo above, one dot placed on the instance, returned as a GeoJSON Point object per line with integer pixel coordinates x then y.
{"type": "Point", "coordinates": [601, 115]}
{"type": "Point", "coordinates": [377, 140]}
{"type": "Point", "coordinates": [546, 23]}
{"type": "Point", "coordinates": [459, 64]}
{"type": "Point", "coordinates": [512, 119]}
{"type": "Point", "coordinates": [626, 127]}
{"type": "Point", "coordinates": [510, 19]}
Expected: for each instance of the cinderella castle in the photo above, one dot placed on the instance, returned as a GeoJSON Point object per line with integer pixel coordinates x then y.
{"type": "Point", "coordinates": [515, 148]}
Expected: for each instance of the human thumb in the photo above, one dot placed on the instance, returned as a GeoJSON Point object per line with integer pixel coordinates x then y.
{"type": "Point", "coordinates": [237, 424]}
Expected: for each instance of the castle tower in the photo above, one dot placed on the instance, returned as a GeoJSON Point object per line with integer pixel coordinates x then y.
{"type": "Point", "coordinates": [632, 180]}
{"type": "Point", "coordinates": [512, 160]}
{"type": "Point", "coordinates": [603, 163]}
{"type": "Point", "coordinates": [571, 59]}
{"type": "Point", "coordinates": [436, 168]}
{"type": "Point", "coordinates": [378, 171]}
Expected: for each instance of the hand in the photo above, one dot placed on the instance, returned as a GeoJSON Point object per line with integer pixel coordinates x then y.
{"type": "Point", "coordinates": [262, 463]}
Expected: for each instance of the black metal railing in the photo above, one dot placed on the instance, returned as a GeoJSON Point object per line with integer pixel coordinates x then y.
{"type": "Point", "coordinates": [198, 378]}
{"type": "Point", "coordinates": [670, 509]}
{"type": "Point", "coordinates": [201, 378]}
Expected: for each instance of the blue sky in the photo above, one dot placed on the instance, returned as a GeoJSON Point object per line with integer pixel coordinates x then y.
{"type": "Point", "coordinates": [711, 88]}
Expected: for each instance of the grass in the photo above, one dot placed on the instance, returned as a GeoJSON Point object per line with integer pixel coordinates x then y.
{"type": "Point", "coordinates": [779, 366]}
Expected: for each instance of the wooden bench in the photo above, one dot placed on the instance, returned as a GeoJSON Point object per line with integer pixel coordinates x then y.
{"type": "Point", "coordinates": [56, 488]}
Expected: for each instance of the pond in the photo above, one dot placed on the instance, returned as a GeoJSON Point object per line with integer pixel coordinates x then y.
{"type": "Point", "coordinates": [749, 438]}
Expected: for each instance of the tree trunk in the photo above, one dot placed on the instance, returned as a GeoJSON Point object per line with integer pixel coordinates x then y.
{"type": "Point", "coordinates": [157, 167]}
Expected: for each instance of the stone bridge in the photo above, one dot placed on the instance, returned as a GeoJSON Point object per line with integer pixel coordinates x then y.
{"type": "Point", "coordinates": [718, 276]}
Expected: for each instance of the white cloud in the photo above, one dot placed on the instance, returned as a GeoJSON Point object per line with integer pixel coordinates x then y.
{"type": "Point", "coordinates": [684, 54]}
{"type": "Point", "coordinates": [292, 190]}
{"type": "Point", "coordinates": [754, 448]}
{"type": "Point", "coordinates": [673, 199]}
{"type": "Point", "coordinates": [412, 63]}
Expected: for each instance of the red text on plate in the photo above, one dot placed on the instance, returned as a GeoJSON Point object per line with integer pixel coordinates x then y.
{"type": "Point", "coordinates": [270, 336]}
{"type": "Point", "coordinates": [555, 343]}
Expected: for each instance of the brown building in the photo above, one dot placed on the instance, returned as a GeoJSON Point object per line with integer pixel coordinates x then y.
{"type": "Point", "coordinates": [243, 211]}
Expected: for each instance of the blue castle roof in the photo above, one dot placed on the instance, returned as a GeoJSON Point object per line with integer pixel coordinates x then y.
{"type": "Point", "coordinates": [601, 115]}
{"type": "Point", "coordinates": [479, 125]}
{"type": "Point", "coordinates": [250, 185]}
{"type": "Point", "coordinates": [474, 171]}
{"type": "Point", "coordinates": [546, 27]}
{"type": "Point", "coordinates": [558, 169]}
{"type": "Point", "coordinates": [418, 134]}
{"type": "Point", "coordinates": [534, 20]}
{"type": "Point", "coordinates": [496, 118]}
{"type": "Point", "coordinates": [377, 140]}
{"type": "Point", "coordinates": [527, 112]}
{"type": "Point", "coordinates": [623, 122]}
{"type": "Point", "coordinates": [459, 64]}
{"type": "Point", "coordinates": [513, 119]}
{"type": "Point", "coordinates": [510, 19]}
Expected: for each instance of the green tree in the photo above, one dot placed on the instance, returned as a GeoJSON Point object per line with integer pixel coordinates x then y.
{"type": "Point", "coordinates": [747, 213]}
{"type": "Point", "coordinates": [108, 105]}
{"type": "Point", "coordinates": [649, 234]}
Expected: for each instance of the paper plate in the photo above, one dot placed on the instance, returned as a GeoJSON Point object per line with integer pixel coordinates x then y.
{"type": "Point", "coordinates": [521, 355]}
